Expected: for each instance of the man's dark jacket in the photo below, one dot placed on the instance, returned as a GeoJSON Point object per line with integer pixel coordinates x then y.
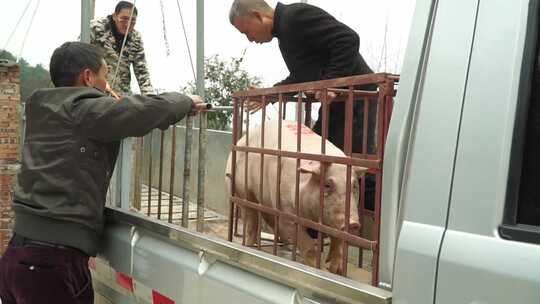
{"type": "Point", "coordinates": [70, 149]}
{"type": "Point", "coordinates": [316, 46]}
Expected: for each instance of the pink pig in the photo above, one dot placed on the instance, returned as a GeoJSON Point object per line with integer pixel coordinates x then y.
{"type": "Point", "coordinates": [334, 189]}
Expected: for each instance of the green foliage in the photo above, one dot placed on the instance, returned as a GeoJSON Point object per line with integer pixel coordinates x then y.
{"type": "Point", "coordinates": [223, 78]}
{"type": "Point", "coordinates": [32, 78]}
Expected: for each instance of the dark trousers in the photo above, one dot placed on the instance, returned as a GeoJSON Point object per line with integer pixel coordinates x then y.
{"type": "Point", "coordinates": [33, 273]}
{"type": "Point", "coordinates": [336, 135]}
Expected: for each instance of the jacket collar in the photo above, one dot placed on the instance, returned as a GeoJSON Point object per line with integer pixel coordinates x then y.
{"type": "Point", "coordinates": [277, 28]}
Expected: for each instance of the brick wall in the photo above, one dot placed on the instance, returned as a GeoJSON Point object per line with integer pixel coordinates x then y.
{"type": "Point", "coordinates": [9, 145]}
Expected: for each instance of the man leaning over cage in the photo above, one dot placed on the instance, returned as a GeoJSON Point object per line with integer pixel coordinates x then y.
{"type": "Point", "coordinates": [71, 145]}
{"type": "Point", "coordinates": [315, 46]}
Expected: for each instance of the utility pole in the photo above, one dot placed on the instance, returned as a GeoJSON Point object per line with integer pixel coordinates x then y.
{"type": "Point", "coordinates": [87, 14]}
{"type": "Point", "coordinates": [200, 47]}
{"type": "Point", "coordinates": [201, 178]}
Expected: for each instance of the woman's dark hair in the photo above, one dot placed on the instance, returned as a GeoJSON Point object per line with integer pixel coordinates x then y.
{"type": "Point", "coordinates": [123, 5]}
{"type": "Point", "coordinates": [70, 59]}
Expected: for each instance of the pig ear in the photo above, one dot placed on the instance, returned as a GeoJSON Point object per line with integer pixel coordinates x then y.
{"type": "Point", "coordinates": [360, 171]}
{"type": "Point", "coordinates": [311, 167]}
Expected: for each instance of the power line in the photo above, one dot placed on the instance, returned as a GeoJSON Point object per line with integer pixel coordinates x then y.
{"type": "Point", "coordinates": [17, 25]}
{"type": "Point", "coordinates": [28, 30]}
{"type": "Point", "coordinates": [187, 41]}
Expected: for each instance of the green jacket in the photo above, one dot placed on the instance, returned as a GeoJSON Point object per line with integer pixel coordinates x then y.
{"type": "Point", "coordinates": [70, 149]}
{"type": "Point", "coordinates": [102, 35]}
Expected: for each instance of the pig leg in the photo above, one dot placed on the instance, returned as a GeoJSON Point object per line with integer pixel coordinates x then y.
{"type": "Point", "coordinates": [335, 256]}
{"type": "Point", "coordinates": [307, 247]}
{"type": "Point", "coordinates": [250, 220]}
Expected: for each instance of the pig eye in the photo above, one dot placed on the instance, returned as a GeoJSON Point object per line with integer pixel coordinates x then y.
{"type": "Point", "coordinates": [329, 186]}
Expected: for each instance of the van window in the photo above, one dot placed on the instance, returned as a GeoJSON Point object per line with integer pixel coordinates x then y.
{"type": "Point", "coordinates": [522, 214]}
{"type": "Point", "coordinates": [528, 206]}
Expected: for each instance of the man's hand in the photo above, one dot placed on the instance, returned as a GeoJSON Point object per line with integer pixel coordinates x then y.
{"type": "Point", "coordinates": [199, 104]}
{"type": "Point", "coordinates": [330, 96]}
{"type": "Point", "coordinates": [110, 91]}
{"type": "Point", "coordinates": [254, 106]}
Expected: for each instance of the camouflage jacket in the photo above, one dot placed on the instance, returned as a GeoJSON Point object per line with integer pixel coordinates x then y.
{"type": "Point", "coordinates": [102, 35]}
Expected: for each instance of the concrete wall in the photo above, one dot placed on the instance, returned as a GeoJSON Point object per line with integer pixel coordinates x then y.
{"type": "Point", "coordinates": [218, 148]}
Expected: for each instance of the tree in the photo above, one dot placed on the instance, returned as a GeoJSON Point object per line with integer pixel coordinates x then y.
{"type": "Point", "coordinates": [223, 78]}
{"type": "Point", "coordinates": [32, 78]}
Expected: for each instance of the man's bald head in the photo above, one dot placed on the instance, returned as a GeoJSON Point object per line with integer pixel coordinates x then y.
{"type": "Point", "coordinates": [243, 8]}
{"type": "Point", "coordinates": [254, 19]}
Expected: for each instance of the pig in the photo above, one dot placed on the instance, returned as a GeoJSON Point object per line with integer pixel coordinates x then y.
{"type": "Point", "coordinates": [310, 175]}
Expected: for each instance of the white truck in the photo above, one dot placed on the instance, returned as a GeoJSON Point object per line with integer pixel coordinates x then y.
{"type": "Point", "coordinates": [459, 220]}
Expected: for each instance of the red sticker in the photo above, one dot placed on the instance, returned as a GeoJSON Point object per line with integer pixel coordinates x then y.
{"type": "Point", "coordinates": [158, 298]}
{"type": "Point", "coordinates": [124, 281]}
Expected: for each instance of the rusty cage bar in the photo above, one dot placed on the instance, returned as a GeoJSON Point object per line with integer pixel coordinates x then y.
{"type": "Point", "coordinates": [347, 90]}
{"type": "Point", "coordinates": [154, 203]}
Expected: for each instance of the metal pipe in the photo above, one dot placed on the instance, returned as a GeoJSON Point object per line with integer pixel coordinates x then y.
{"type": "Point", "coordinates": [201, 170]}
{"type": "Point", "coordinates": [278, 181]}
{"type": "Point", "coordinates": [365, 127]}
{"type": "Point", "coordinates": [357, 80]}
{"type": "Point", "coordinates": [187, 171]}
{"type": "Point", "coordinates": [297, 175]}
{"type": "Point", "coordinates": [222, 109]}
{"type": "Point", "coordinates": [203, 122]}
{"type": "Point", "coordinates": [240, 128]}
{"type": "Point", "coordinates": [246, 172]}
{"type": "Point", "coordinates": [160, 177]}
{"type": "Point", "coordinates": [150, 145]}
{"type": "Point", "coordinates": [261, 172]}
{"type": "Point", "coordinates": [374, 164]}
{"type": "Point", "coordinates": [200, 48]}
{"type": "Point", "coordinates": [348, 151]}
{"type": "Point", "coordinates": [232, 214]}
{"type": "Point", "coordinates": [325, 122]}
{"type": "Point", "coordinates": [138, 173]}
{"type": "Point", "coordinates": [87, 14]}
{"type": "Point", "coordinates": [361, 213]}
{"type": "Point", "coordinates": [173, 169]}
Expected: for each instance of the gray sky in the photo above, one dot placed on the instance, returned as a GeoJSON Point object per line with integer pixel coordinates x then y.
{"type": "Point", "coordinates": [58, 21]}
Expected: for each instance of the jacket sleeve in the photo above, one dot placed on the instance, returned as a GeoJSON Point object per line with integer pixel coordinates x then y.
{"type": "Point", "coordinates": [140, 67]}
{"type": "Point", "coordinates": [322, 32]}
{"type": "Point", "coordinates": [106, 119]}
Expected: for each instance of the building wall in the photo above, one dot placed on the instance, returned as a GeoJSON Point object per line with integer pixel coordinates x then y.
{"type": "Point", "coordinates": [9, 145]}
